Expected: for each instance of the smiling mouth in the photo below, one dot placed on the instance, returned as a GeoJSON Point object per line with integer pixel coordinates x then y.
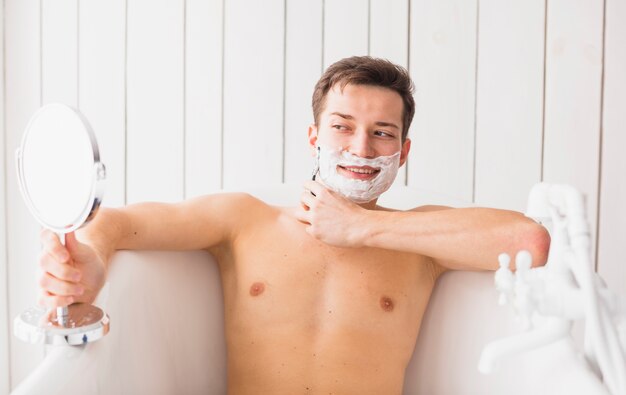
{"type": "Point", "coordinates": [361, 173]}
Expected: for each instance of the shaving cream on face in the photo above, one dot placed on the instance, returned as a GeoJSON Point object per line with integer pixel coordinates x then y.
{"type": "Point", "coordinates": [359, 191]}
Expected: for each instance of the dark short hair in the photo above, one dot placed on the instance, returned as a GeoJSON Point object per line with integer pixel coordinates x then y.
{"type": "Point", "coordinates": [366, 70]}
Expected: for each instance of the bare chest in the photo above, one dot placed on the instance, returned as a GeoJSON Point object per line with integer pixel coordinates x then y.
{"type": "Point", "coordinates": [281, 277]}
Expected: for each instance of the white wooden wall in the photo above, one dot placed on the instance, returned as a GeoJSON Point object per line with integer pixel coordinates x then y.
{"type": "Point", "coordinates": [187, 96]}
{"type": "Point", "coordinates": [4, 295]}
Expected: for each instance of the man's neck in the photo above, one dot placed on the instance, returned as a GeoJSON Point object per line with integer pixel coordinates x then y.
{"type": "Point", "coordinates": [369, 205]}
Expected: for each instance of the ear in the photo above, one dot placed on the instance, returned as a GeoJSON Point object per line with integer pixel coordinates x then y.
{"type": "Point", "coordinates": [313, 139]}
{"type": "Point", "coordinates": [404, 152]}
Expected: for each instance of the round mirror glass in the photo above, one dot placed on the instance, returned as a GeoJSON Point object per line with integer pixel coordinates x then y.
{"type": "Point", "coordinates": [59, 168]}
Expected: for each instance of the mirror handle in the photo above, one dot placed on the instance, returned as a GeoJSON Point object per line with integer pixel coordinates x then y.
{"type": "Point", "coordinates": [62, 311]}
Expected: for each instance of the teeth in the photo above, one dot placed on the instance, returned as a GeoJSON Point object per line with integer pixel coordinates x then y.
{"type": "Point", "coordinates": [362, 171]}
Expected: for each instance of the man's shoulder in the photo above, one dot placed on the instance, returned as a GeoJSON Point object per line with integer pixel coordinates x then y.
{"type": "Point", "coordinates": [430, 207]}
{"type": "Point", "coordinates": [227, 206]}
{"type": "Point", "coordinates": [232, 213]}
{"type": "Point", "coordinates": [237, 202]}
{"type": "Point", "coordinates": [425, 208]}
{"type": "Point", "coordinates": [239, 198]}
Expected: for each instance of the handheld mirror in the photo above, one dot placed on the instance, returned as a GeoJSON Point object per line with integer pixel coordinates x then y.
{"type": "Point", "coordinates": [61, 179]}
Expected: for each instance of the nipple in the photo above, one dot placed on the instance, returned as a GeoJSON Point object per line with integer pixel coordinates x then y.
{"type": "Point", "coordinates": [386, 303]}
{"type": "Point", "coordinates": [257, 289]}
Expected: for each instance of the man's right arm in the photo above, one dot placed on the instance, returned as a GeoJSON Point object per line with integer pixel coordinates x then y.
{"type": "Point", "coordinates": [76, 272]}
{"type": "Point", "coordinates": [193, 224]}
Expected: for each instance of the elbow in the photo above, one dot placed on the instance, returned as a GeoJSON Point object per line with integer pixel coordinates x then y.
{"type": "Point", "coordinates": [537, 242]}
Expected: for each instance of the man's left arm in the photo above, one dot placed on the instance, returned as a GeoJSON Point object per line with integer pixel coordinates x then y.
{"type": "Point", "coordinates": [455, 238]}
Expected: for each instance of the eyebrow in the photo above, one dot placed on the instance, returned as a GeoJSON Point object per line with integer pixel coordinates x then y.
{"type": "Point", "coordinates": [377, 123]}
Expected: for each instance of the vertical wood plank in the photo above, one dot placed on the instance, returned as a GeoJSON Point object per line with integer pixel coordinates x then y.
{"type": "Point", "coordinates": [389, 30]}
{"type": "Point", "coordinates": [203, 96]}
{"type": "Point", "coordinates": [101, 97]}
{"type": "Point", "coordinates": [303, 69]}
{"type": "Point", "coordinates": [509, 109]}
{"type": "Point", "coordinates": [4, 264]}
{"type": "Point", "coordinates": [389, 39]}
{"type": "Point", "coordinates": [155, 111]}
{"type": "Point", "coordinates": [22, 78]}
{"type": "Point", "coordinates": [613, 183]}
{"type": "Point", "coordinates": [572, 98]}
{"type": "Point", "coordinates": [346, 24]}
{"type": "Point", "coordinates": [253, 92]}
{"type": "Point", "coordinates": [442, 63]}
{"type": "Point", "coordinates": [59, 52]}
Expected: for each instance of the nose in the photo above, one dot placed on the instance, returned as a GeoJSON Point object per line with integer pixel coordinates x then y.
{"type": "Point", "coordinates": [360, 145]}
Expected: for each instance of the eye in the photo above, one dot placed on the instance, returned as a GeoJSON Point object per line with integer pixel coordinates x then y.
{"type": "Point", "coordinates": [339, 127]}
{"type": "Point", "coordinates": [383, 133]}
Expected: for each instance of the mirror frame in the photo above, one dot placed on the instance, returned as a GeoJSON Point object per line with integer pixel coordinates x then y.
{"type": "Point", "coordinates": [98, 171]}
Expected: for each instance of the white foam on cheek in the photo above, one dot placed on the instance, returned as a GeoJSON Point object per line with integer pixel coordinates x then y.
{"type": "Point", "coordinates": [359, 191]}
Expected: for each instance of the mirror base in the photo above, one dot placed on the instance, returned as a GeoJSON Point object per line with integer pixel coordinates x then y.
{"type": "Point", "coordinates": [85, 323]}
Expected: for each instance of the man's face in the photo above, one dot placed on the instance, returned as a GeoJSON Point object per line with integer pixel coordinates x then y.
{"type": "Point", "coordinates": [364, 120]}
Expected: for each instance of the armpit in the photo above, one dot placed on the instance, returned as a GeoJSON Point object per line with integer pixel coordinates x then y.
{"type": "Point", "coordinates": [436, 269]}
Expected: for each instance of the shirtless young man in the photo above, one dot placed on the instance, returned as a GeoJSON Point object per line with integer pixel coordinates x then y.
{"type": "Point", "coordinates": [323, 298]}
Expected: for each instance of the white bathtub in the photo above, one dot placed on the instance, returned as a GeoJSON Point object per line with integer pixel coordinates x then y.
{"type": "Point", "coordinates": [167, 330]}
